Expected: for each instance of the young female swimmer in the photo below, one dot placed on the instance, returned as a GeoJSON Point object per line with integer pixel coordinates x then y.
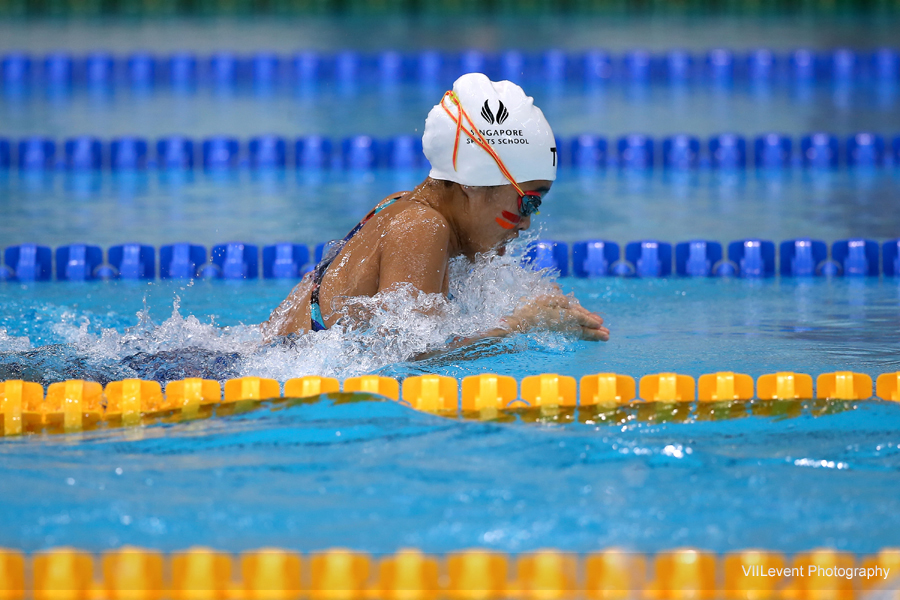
{"type": "Point", "coordinates": [489, 175]}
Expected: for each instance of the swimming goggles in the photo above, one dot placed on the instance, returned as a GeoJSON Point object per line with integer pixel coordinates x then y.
{"type": "Point", "coordinates": [529, 202]}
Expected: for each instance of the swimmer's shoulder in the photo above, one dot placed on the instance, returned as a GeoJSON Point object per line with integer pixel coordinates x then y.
{"type": "Point", "coordinates": [411, 225]}
{"type": "Point", "coordinates": [411, 217]}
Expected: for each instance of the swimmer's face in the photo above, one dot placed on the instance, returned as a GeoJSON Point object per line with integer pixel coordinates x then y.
{"type": "Point", "coordinates": [495, 214]}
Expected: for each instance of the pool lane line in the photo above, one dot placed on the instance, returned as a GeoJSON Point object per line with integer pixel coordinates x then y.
{"type": "Point", "coordinates": [604, 398]}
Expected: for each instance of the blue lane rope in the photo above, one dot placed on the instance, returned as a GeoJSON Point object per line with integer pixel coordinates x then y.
{"type": "Point", "coordinates": [585, 152]}
{"type": "Point", "coordinates": [60, 71]}
{"type": "Point", "coordinates": [748, 258]}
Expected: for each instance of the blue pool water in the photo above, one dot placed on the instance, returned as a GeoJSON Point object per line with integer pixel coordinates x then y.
{"type": "Point", "coordinates": [374, 475]}
{"type": "Point", "coordinates": [377, 476]}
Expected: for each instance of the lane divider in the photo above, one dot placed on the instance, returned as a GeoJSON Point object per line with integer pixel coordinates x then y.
{"type": "Point", "coordinates": [747, 258]}
{"type": "Point", "coordinates": [201, 573]}
{"type": "Point", "coordinates": [60, 71]}
{"type": "Point", "coordinates": [75, 405]}
{"type": "Point", "coordinates": [768, 151]}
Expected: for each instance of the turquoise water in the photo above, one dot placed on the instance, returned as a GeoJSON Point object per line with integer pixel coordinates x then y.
{"type": "Point", "coordinates": [374, 475]}
{"type": "Point", "coordinates": [377, 476]}
{"type": "Point", "coordinates": [264, 208]}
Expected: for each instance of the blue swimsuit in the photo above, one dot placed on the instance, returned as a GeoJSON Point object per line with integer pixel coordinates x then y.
{"type": "Point", "coordinates": [317, 323]}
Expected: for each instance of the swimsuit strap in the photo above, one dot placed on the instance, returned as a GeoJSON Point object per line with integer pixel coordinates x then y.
{"type": "Point", "coordinates": [317, 323]}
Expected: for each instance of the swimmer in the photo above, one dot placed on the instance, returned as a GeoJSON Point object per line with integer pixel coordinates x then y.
{"type": "Point", "coordinates": [493, 159]}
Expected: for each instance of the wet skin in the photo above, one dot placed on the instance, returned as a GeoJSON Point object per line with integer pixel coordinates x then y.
{"type": "Point", "coordinates": [412, 241]}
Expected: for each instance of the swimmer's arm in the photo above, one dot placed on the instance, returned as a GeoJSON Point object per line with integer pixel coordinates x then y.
{"type": "Point", "coordinates": [555, 312]}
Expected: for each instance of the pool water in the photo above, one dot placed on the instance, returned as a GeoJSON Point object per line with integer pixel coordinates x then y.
{"type": "Point", "coordinates": [375, 475]}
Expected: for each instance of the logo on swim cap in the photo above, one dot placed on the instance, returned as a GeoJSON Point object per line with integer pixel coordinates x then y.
{"type": "Point", "coordinates": [502, 113]}
{"type": "Point", "coordinates": [511, 142]}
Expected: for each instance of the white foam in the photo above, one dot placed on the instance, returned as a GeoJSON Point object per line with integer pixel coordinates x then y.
{"type": "Point", "coordinates": [11, 343]}
{"type": "Point", "coordinates": [403, 324]}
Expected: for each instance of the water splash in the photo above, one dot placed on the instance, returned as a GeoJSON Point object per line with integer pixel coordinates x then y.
{"type": "Point", "coordinates": [401, 325]}
{"type": "Point", "coordinates": [10, 343]}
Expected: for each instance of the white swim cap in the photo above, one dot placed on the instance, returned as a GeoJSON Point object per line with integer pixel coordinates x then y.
{"type": "Point", "coordinates": [508, 121]}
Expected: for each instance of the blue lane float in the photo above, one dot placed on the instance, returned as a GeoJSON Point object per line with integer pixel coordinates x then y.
{"type": "Point", "coordinates": [180, 261]}
{"type": "Point", "coordinates": [751, 258]}
{"type": "Point", "coordinates": [36, 153]}
{"type": "Point", "coordinates": [512, 65]}
{"type": "Point", "coordinates": [803, 258]}
{"type": "Point", "coordinates": [885, 65]}
{"type": "Point", "coordinates": [132, 261]}
{"type": "Point", "coordinates": [284, 261]}
{"type": "Point", "coordinates": [128, 153]}
{"type": "Point", "coordinates": [549, 254]}
{"type": "Point", "coordinates": [29, 262]}
{"type": "Point", "coordinates": [803, 65]}
{"type": "Point", "coordinates": [585, 152]}
{"type": "Point", "coordinates": [78, 262]}
{"type": "Point", "coordinates": [59, 71]}
{"type": "Point", "coordinates": [728, 151]}
{"type": "Point", "coordinates": [681, 152]}
{"type": "Point", "coordinates": [84, 153]}
{"type": "Point", "coordinates": [99, 70]}
{"type": "Point", "coordinates": [265, 69]}
{"type": "Point", "coordinates": [430, 68]}
{"type": "Point", "coordinates": [597, 67]}
{"type": "Point", "coordinates": [222, 70]}
{"type": "Point", "coordinates": [720, 66]}
{"type": "Point", "coordinates": [820, 150]}
{"type": "Point", "coordinates": [636, 66]}
{"type": "Point", "coordinates": [594, 258]}
{"type": "Point", "coordinates": [5, 154]}
{"type": "Point", "coordinates": [650, 258]}
{"type": "Point", "coordinates": [754, 258]}
{"type": "Point", "coordinates": [843, 65]}
{"type": "Point", "coordinates": [699, 258]}
{"type": "Point", "coordinates": [313, 152]}
{"type": "Point", "coordinates": [16, 70]}
{"type": "Point", "coordinates": [635, 151]}
{"type": "Point", "coordinates": [891, 258]}
{"type": "Point", "coordinates": [347, 66]}
{"type": "Point", "coordinates": [306, 68]}
{"type": "Point", "coordinates": [175, 152]}
{"type": "Point", "coordinates": [772, 151]}
{"type": "Point", "coordinates": [405, 152]}
{"type": "Point", "coordinates": [182, 71]}
{"type": "Point", "coordinates": [761, 65]}
{"type": "Point", "coordinates": [554, 66]}
{"type": "Point", "coordinates": [471, 61]}
{"type": "Point", "coordinates": [221, 153]}
{"type": "Point", "coordinates": [360, 153]}
{"type": "Point", "coordinates": [268, 152]}
{"type": "Point", "coordinates": [865, 150]}
{"type": "Point", "coordinates": [235, 260]}
{"type": "Point", "coordinates": [392, 68]}
{"type": "Point", "coordinates": [679, 66]}
{"type": "Point", "coordinates": [857, 257]}
{"type": "Point", "coordinates": [141, 70]}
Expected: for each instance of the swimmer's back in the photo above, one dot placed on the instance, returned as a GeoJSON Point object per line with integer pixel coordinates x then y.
{"type": "Point", "coordinates": [407, 240]}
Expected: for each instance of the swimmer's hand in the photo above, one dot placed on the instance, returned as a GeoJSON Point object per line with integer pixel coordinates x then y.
{"type": "Point", "coordinates": [558, 312]}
